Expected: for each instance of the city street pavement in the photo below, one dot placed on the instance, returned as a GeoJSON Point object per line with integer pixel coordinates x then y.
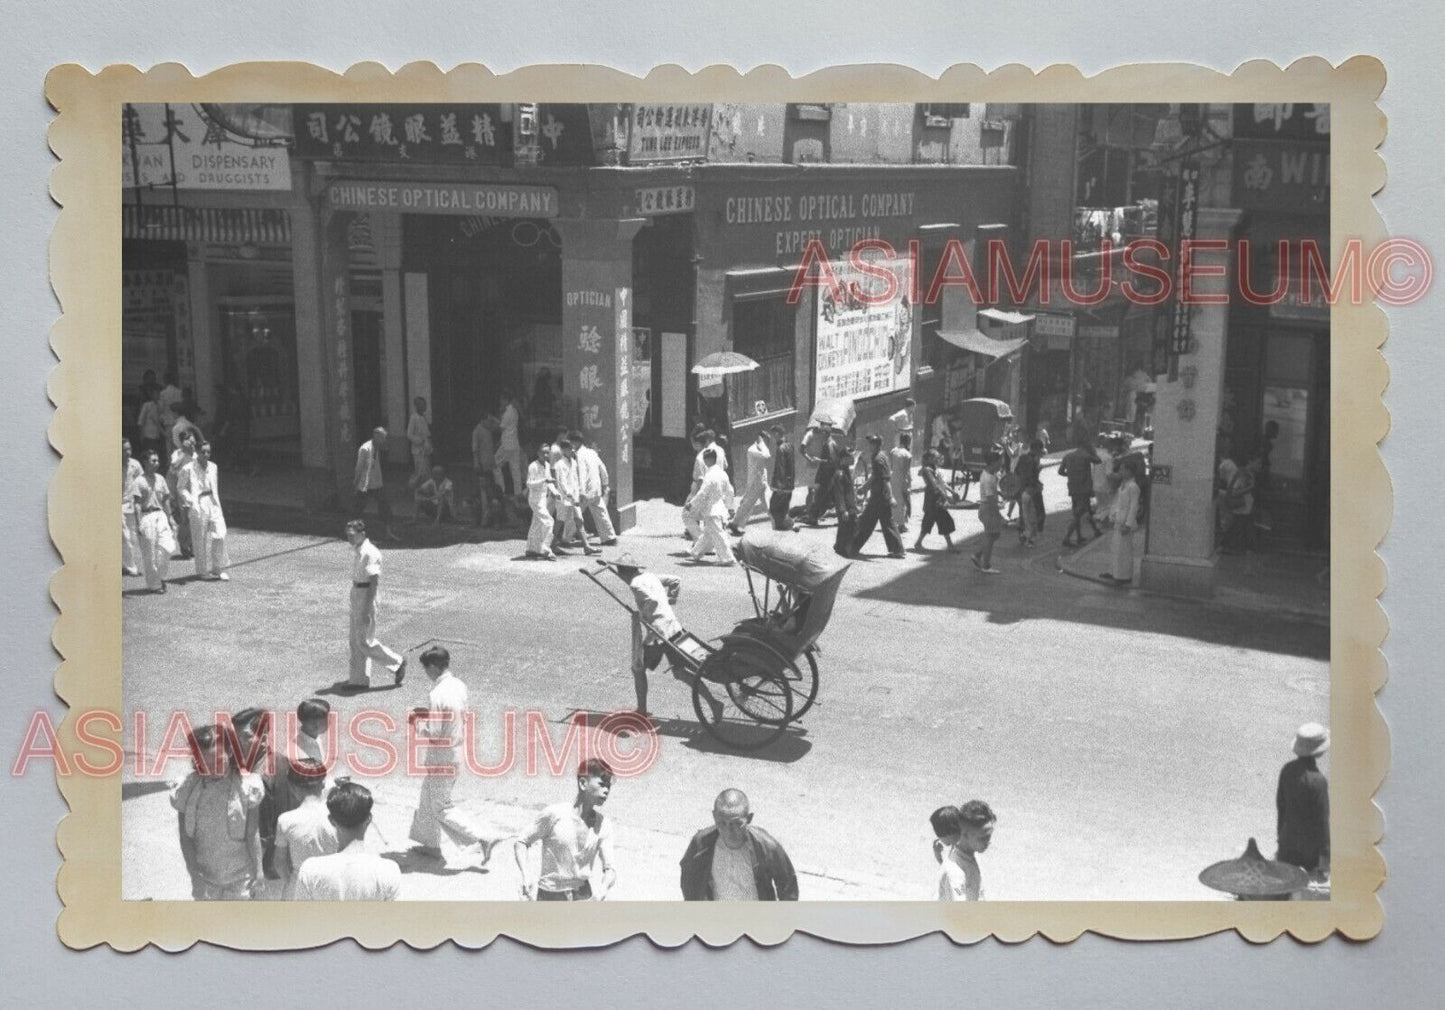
{"type": "Point", "coordinates": [1124, 740]}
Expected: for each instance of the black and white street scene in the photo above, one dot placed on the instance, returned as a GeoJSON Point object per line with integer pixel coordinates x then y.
{"type": "Point", "coordinates": [716, 502]}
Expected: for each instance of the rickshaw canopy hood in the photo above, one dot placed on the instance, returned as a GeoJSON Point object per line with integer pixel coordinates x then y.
{"type": "Point", "coordinates": [786, 558]}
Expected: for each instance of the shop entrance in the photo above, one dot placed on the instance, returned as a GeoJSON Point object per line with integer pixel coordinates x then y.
{"type": "Point", "coordinates": [664, 281]}
{"type": "Point", "coordinates": [495, 318]}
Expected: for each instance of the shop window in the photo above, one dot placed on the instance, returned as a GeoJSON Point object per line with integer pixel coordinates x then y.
{"type": "Point", "coordinates": [764, 330]}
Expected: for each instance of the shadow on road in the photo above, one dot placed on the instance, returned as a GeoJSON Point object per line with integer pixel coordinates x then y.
{"type": "Point", "coordinates": [1031, 586]}
{"type": "Point", "coordinates": [789, 747]}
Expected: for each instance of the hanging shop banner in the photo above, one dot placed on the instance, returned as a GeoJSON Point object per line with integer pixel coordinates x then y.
{"type": "Point", "coordinates": [668, 133]}
{"type": "Point", "coordinates": [180, 145]}
{"type": "Point", "coordinates": [863, 346]}
{"type": "Point", "coordinates": [425, 133]}
{"type": "Point", "coordinates": [564, 135]}
{"type": "Point", "coordinates": [1188, 207]}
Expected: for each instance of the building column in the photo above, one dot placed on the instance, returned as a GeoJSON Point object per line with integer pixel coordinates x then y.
{"type": "Point", "coordinates": [386, 230]}
{"type": "Point", "coordinates": [205, 352]}
{"type": "Point", "coordinates": [597, 342]}
{"type": "Point", "coordinates": [1180, 556]}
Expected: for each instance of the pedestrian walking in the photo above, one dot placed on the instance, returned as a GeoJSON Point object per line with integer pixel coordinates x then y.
{"type": "Point", "coordinates": [1126, 521]}
{"type": "Point", "coordinates": [845, 493]}
{"type": "Point", "coordinates": [218, 812]}
{"type": "Point", "coordinates": [879, 509]}
{"type": "Point", "coordinates": [574, 836]}
{"type": "Point", "coordinates": [654, 622]}
{"type": "Point", "coordinates": [155, 526]}
{"type": "Point", "coordinates": [1302, 806]}
{"type": "Point", "coordinates": [490, 504]}
{"type": "Point", "coordinates": [705, 441]}
{"type": "Point", "coordinates": [182, 457]}
{"type": "Point", "coordinates": [130, 472]}
{"type": "Point", "coordinates": [442, 724]}
{"type": "Point", "coordinates": [1077, 467]}
{"type": "Point", "coordinates": [988, 511]}
{"type": "Point", "coordinates": [961, 879]}
{"type": "Point", "coordinates": [1028, 471]}
{"type": "Point", "coordinates": [735, 860]}
{"type": "Point", "coordinates": [827, 462]}
{"type": "Point", "coordinates": [595, 484]}
{"type": "Point", "coordinates": [541, 488]}
{"type": "Point", "coordinates": [509, 447]}
{"type": "Point", "coordinates": [781, 480]}
{"type": "Point", "coordinates": [351, 873]}
{"type": "Point", "coordinates": [755, 490]}
{"type": "Point", "coordinates": [936, 495]}
{"type": "Point", "coordinates": [368, 480]}
{"type": "Point", "coordinates": [900, 462]}
{"type": "Point", "coordinates": [570, 509]}
{"type": "Point", "coordinates": [712, 503]}
{"type": "Point", "coordinates": [200, 493]}
{"type": "Point", "coordinates": [365, 586]}
{"type": "Point", "coordinates": [418, 437]}
{"type": "Point", "coordinates": [306, 830]}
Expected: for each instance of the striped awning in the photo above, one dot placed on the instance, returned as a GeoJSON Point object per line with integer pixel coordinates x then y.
{"type": "Point", "coordinates": [206, 224]}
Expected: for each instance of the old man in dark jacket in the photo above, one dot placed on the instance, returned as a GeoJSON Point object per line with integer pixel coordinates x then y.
{"type": "Point", "coordinates": [735, 861]}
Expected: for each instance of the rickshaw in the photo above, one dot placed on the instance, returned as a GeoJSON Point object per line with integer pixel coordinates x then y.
{"type": "Point", "coordinates": [751, 683]}
{"type": "Point", "coordinates": [982, 423]}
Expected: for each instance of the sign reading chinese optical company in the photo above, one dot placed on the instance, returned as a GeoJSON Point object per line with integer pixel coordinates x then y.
{"type": "Point", "coordinates": [179, 142]}
{"type": "Point", "coordinates": [491, 199]}
{"type": "Point", "coordinates": [668, 133]}
{"type": "Point", "coordinates": [460, 134]}
{"type": "Point", "coordinates": [864, 344]}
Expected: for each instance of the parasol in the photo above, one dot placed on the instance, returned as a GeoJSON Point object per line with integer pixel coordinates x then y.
{"type": "Point", "coordinates": [724, 363]}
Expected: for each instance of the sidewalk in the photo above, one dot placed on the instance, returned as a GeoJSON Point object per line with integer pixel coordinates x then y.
{"type": "Point", "coordinates": [1284, 584]}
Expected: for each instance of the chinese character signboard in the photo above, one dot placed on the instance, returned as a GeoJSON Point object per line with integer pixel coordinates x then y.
{"type": "Point", "coordinates": [650, 201]}
{"type": "Point", "coordinates": [564, 135]}
{"type": "Point", "coordinates": [863, 344]}
{"type": "Point", "coordinates": [446, 134]}
{"type": "Point", "coordinates": [668, 133]}
{"type": "Point", "coordinates": [1282, 176]}
{"type": "Point", "coordinates": [178, 142]}
{"type": "Point", "coordinates": [1187, 209]}
{"type": "Point", "coordinates": [1282, 121]}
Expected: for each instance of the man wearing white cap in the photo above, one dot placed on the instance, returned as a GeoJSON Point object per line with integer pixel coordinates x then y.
{"type": "Point", "coordinates": [1302, 803]}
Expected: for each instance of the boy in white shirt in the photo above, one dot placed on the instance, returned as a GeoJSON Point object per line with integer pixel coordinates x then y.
{"type": "Point", "coordinates": [351, 873]}
{"type": "Point", "coordinates": [962, 879]}
{"type": "Point", "coordinates": [573, 836]}
{"type": "Point", "coordinates": [307, 830]}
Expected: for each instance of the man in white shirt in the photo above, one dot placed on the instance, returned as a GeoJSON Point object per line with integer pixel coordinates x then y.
{"type": "Point", "coordinates": [900, 459]}
{"type": "Point", "coordinates": [365, 584]}
{"type": "Point", "coordinates": [755, 491]}
{"type": "Point", "coordinates": [307, 830]}
{"type": "Point", "coordinates": [509, 448]}
{"type": "Point", "coordinates": [593, 480]}
{"type": "Point", "coordinates": [199, 488]}
{"type": "Point", "coordinates": [418, 436]}
{"type": "Point", "coordinates": [654, 622]}
{"type": "Point", "coordinates": [569, 502]}
{"type": "Point", "coordinates": [573, 836]}
{"type": "Point", "coordinates": [129, 526]}
{"type": "Point", "coordinates": [368, 479]}
{"type": "Point", "coordinates": [351, 873]}
{"type": "Point", "coordinates": [441, 728]}
{"type": "Point", "coordinates": [903, 419]}
{"type": "Point", "coordinates": [711, 505]}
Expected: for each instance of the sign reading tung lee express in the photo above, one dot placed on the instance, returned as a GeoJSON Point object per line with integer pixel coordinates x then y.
{"type": "Point", "coordinates": [422, 132]}
{"type": "Point", "coordinates": [668, 133]}
{"type": "Point", "coordinates": [863, 345]}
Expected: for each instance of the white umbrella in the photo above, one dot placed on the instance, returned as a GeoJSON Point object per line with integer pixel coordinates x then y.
{"type": "Point", "coordinates": [724, 363]}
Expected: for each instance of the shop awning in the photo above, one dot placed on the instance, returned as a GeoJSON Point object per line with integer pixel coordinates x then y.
{"type": "Point", "coordinates": [206, 224]}
{"type": "Point", "coordinates": [979, 343]}
{"type": "Point", "coordinates": [1004, 317]}
{"type": "Point", "coordinates": [760, 282]}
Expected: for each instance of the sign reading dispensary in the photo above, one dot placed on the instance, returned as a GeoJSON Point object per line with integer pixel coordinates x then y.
{"type": "Point", "coordinates": [494, 200]}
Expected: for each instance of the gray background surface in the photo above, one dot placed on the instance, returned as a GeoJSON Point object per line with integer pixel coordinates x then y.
{"type": "Point", "coordinates": [1398, 969]}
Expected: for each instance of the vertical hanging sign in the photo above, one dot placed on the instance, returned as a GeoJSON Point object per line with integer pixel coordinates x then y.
{"type": "Point", "coordinates": [622, 302]}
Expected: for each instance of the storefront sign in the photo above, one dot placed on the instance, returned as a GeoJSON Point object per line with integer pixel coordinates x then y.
{"type": "Point", "coordinates": [863, 349]}
{"type": "Point", "coordinates": [653, 200]}
{"type": "Point", "coordinates": [1161, 473]}
{"type": "Point", "coordinates": [838, 219]}
{"type": "Point", "coordinates": [1293, 305]}
{"type": "Point", "coordinates": [1282, 176]}
{"type": "Point", "coordinates": [426, 133]}
{"type": "Point", "coordinates": [178, 142]}
{"type": "Point", "coordinates": [668, 133]}
{"type": "Point", "coordinates": [622, 323]}
{"type": "Point", "coordinates": [1282, 121]}
{"type": "Point", "coordinates": [1053, 331]}
{"type": "Point", "coordinates": [1185, 216]}
{"type": "Point", "coordinates": [1099, 332]}
{"type": "Point", "coordinates": [564, 135]}
{"type": "Point", "coordinates": [490, 199]}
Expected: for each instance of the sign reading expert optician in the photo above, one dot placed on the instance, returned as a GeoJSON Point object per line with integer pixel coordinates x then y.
{"type": "Point", "coordinates": [177, 139]}
{"type": "Point", "coordinates": [864, 343]}
{"type": "Point", "coordinates": [491, 199]}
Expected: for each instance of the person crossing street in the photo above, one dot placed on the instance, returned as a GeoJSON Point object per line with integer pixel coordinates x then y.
{"type": "Point", "coordinates": [755, 491]}
{"type": "Point", "coordinates": [879, 509]}
{"type": "Point", "coordinates": [365, 584]}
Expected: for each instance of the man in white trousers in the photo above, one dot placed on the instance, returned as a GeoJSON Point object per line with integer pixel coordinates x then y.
{"type": "Point", "coordinates": [365, 584]}
{"type": "Point", "coordinates": [200, 490]}
{"type": "Point", "coordinates": [129, 521]}
{"type": "Point", "coordinates": [568, 471]}
{"type": "Point", "coordinates": [442, 727]}
{"type": "Point", "coordinates": [755, 491]}
{"type": "Point", "coordinates": [711, 505]}
{"type": "Point", "coordinates": [592, 476]}
{"type": "Point", "coordinates": [900, 459]}
{"type": "Point", "coordinates": [418, 437]}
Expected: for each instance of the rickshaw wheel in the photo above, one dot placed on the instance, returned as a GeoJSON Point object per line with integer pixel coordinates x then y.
{"type": "Point", "coordinates": [811, 695]}
{"type": "Point", "coordinates": [742, 702]}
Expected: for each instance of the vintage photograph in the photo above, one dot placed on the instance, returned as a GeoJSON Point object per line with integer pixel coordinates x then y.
{"type": "Point", "coordinates": [839, 502]}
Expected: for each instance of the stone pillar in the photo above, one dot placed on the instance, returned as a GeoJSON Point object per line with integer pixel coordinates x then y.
{"type": "Point", "coordinates": [1180, 556]}
{"type": "Point", "coordinates": [597, 343]}
{"type": "Point", "coordinates": [205, 341]}
{"type": "Point", "coordinates": [386, 230]}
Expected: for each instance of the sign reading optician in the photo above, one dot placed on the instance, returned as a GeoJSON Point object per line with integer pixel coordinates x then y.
{"type": "Point", "coordinates": [495, 200]}
{"type": "Point", "coordinates": [177, 140]}
{"type": "Point", "coordinates": [864, 342]}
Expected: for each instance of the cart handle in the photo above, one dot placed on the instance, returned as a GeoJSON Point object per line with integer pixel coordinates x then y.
{"type": "Point", "coordinates": [591, 574]}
